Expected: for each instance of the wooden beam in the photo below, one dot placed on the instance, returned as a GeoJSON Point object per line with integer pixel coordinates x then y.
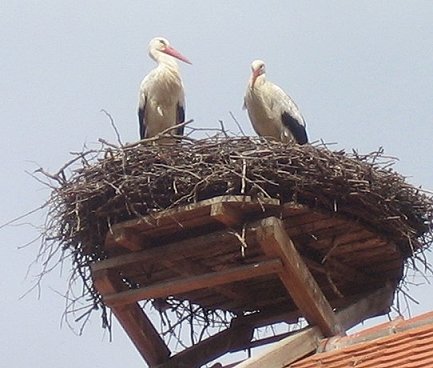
{"type": "Point", "coordinates": [171, 251]}
{"type": "Point", "coordinates": [296, 276]}
{"type": "Point", "coordinates": [128, 239]}
{"type": "Point", "coordinates": [371, 305]}
{"type": "Point", "coordinates": [184, 285]}
{"type": "Point", "coordinates": [133, 320]}
{"type": "Point", "coordinates": [225, 213]}
{"type": "Point", "coordinates": [306, 341]}
{"type": "Point", "coordinates": [230, 339]}
{"type": "Point", "coordinates": [287, 350]}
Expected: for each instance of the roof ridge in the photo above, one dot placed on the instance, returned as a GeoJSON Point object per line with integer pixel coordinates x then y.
{"type": "Point", "coordinates": [395, 326]}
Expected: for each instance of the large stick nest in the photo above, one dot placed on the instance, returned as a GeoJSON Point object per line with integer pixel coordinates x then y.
{"type": "Point", "coordinates": [114, 184]}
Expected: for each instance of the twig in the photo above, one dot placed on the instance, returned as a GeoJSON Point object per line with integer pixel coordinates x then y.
{"type": "Point", "coordinates": [14, 220]}
{"type": "Point", "coordinates": [113, 126]}
{"type": "Point", "coordinates": [223, 128]}
{"type": "Point", "coordinates": [237, 123]}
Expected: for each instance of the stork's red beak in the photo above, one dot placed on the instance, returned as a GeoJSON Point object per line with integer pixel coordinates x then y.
{"type": "Point", "coordinates": [172, 52]}
{"type": "Point", "coordinates": [256, 73]}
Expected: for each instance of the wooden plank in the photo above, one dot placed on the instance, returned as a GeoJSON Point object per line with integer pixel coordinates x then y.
{"type": "Point", "coordinates": [184, 285]}
{"type": "Point", "coordinates": [380, 259]}
{"type": "Point", "coordinates": [294, 209]}
{"type": "Point", "coordinates": [349, 274]}
{"type": "Point", "coordinates": [382, 266]}
{"type": "Point", "coordinates": [296, 277]}
{"type": "Point", "coordinates": [387, 250]}
{"type": "Point", "coordinates": [306, 341]}
{"type": "Point", "coordinates": [314, 224]}
{"type": "Point", "coordinates": [372, 245]}
{"type": "Point", "coordinates": [188, 216]}
{"type": "Point", "coordinates": [133, 320]}
{"type": "Point", "coordinates": [189, 210]}
{"type": "Point", "coordinates": [336, 269]}
{"type": "Point", "coordinates": [358, 238]}
{"type": "Point", "coordinates": [194, 268]}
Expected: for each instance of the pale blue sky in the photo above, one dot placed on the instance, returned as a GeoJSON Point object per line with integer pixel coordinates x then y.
{"type": "Point", "coordinates": [361, 72]}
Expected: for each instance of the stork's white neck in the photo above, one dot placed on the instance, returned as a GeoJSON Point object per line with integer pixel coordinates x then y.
{"type": "Point", "coordinates": [260, 80]}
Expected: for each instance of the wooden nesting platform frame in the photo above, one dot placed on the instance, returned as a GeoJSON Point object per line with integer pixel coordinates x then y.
{"type": "Point", "coordinates": [276, 261]}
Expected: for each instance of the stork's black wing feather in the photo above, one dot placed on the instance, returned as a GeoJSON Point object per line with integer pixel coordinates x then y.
{"type": "Point", "coordinates": [297, 129]}
{"type": "Point", "coordinates": [180, 119]}
{"type": "Point", "coordinates": [141, 122]}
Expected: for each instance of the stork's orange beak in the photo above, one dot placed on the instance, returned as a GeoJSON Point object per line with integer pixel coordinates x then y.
{"type": "Point", "coordinates": [173, 52]}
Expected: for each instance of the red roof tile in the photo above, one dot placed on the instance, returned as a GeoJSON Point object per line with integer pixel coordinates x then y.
{"type": "Point", "coordinates": [399, 343]}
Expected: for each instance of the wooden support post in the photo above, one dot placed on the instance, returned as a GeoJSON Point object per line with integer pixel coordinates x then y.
{"type": "Point", "coordinates": [296, 276]}
{"type": "Point", "coordinates": [184, 285]}
{"type": "Point", "coordinates": [133, 320]}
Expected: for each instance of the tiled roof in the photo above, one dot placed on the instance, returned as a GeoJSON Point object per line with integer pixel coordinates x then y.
{"type": "Point", "coordinates": [398, 343]}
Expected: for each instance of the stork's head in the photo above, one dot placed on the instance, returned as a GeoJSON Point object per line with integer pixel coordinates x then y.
{"type": "Point", "coordinates": [258, 68]}
{"type": "Point", "coordinates": [161, 45]}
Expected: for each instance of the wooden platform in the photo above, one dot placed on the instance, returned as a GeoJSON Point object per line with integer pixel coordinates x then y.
{"type": "Point", "coordinates": [233, 253]}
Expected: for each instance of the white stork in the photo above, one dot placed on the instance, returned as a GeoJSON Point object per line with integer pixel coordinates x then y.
{"type": "Point", "coordinates": [272, 112]}
{"type": "Point", "coordinates": [162, 100]}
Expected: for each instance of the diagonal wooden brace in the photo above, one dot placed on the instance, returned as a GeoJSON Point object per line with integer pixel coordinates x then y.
{"type": "Point", "coordinates": [133, 320]}
{"type": "Point", "coordinates": [296, 276]}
